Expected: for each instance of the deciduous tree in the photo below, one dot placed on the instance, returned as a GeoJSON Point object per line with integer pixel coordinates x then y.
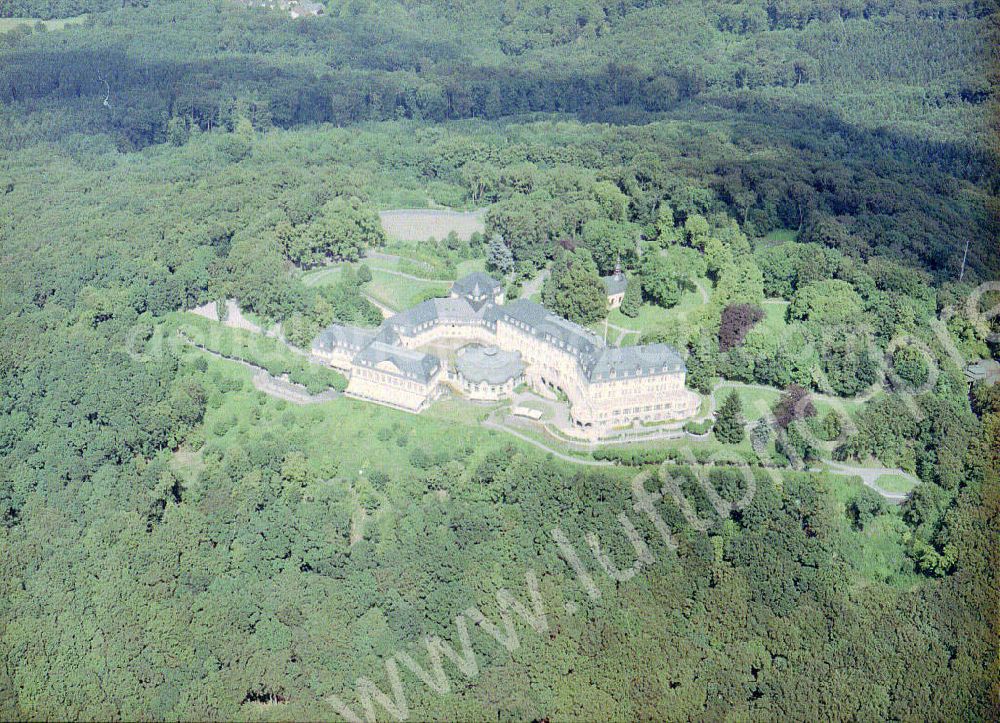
{"type": "Point", "coordinates": [574, 289]}
{"type": "Point", "coordinates": [737, 321]}
{"type": "Point", "coordinates": [795, 403]}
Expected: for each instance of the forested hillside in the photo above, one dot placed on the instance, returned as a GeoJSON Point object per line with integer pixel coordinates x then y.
{"type": "Point", "coordinates": [817, 180]}
{"type": "Point", "coordinates": [915, 69]}
{"type": "Point", "coordinates": [845, 109]}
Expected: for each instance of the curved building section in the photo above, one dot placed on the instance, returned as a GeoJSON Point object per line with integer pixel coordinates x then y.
{"type": "Point", "coordinates": [607, 387]}
{"type": "Point", "coordinates": [488, 373]}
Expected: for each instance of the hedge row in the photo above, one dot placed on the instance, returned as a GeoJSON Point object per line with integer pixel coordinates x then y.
{"type": "Point", "coordinates": [272, 355]}
{"type": "Point", "coordinates": [638, 456]}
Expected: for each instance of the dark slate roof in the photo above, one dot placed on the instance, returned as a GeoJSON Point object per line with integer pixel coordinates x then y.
{"type": "Point", "coordinates": [387, 335]}
{"type": "Point", "coordinates": [632, 361]}
{"type": "Point", "coordinates": [338, 336]}
{"type": "Point", "coordinates": [541, 322]}
{"type": "Point", "coordinates": [615, 284]}
{"type": "Point", "coordinates": [488, 364]}
{"type": "Point", "coordinates": [411, 364]}
{"type": "Point", "coordinates": [476, 285]}
{"type": "Point", "coordinates": [453, 310]}
{"type": "Point", "coordinates": [598, 362]}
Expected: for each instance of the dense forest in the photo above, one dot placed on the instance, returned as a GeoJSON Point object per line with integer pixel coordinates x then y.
{"type": "Point", "coordinates": [175, 544]}
{"type": "Point", "coordinates": [822, 109]}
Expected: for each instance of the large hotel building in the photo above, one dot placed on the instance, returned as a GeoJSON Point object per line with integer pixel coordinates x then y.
{"type": "Point", "coordinates": [507, 345]}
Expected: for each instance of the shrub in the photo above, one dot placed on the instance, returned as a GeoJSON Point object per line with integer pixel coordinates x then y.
{"type": "Point", "coordinates": [633, 456]}
{"type": "Point", "coordinates": [420, 459]}
{"type": "Point", "coordinates": [379, 480]}
{"type": "Point", "coordinates": [702, 427]}
{"type": "Point", "coordinates": [760, 435]}
{"type": "Point", "coordinates": [795, 403]}
{"type": "Point", "coordinates": [865, 507]}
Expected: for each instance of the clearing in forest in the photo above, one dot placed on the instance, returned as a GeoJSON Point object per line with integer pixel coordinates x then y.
{"type": "Point", "coordinates": [422, 224]}
{"type": "Point", "coordinates": [54, 24]}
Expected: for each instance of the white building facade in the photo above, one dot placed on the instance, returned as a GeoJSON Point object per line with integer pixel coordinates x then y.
{"type": "Point", "coordinates": [607, 387]}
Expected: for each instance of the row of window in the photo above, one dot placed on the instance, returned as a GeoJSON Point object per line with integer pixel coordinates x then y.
{"type": "Point", "coordinates": [388, 379]}
{"type": "Point", "coordinates": [453, 324]}
{"type": "Point", "coordinates": [484, 386]}
{"type": "Point", "coordinates": [640, 374]}
{"type": "Point", "coordinates": [619, 391]}
{"type": "Point", "coordinates": [633, 411]}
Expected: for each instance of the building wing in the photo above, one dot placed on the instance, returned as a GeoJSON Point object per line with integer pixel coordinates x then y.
{"type": "Point", "coordinates": [413, 365]}
{"type": "Point", "coordinates": [632, 361]}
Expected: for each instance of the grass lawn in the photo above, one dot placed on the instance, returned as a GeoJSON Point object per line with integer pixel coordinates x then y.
{"type": "Point", "coordinates": [360, 435]}
{"type": "Point", "coordinates": [756, 402]}
{"type": "Point", "coordinates": [265, 352]}
{"type": "Point", "coordinates": [842, 406]}
{"type": "Point", "coordinates": [55, 24]}
{"type": "Point", "coordinates": [692, 300]}
{"type": "Point", "coordinates": [413, 262]}
{"type": "Point", "coordinates": [652, 316]}
{"type": "Point", "coordinates": [347, 442]}
{"type": "Point", "coordinates": [877, 554]}
{"type": "Point", "coordinates": [323, 277]}
{"type": "Point", "coordinates": [458, 410]}
{"type": "Point", "coordinates": [416, 258]}
{"type": "Point", "coordinates": [774, 316]}
{"type": "Point", "coordinates": [545, 438]}
{"type": "Point", "coordinates": [705, 447]}
{"type": "Point", "coordinates": [349, 436]}
{"type": "Point", "coordinates": [895, 483]}
{"type": "Point", "coordinates": [400, 293]}
{"type": "Point", "coordinates": [649, 317]}
{"type": "Point", "coordinates": [779, 236]}
{"type": "Point", "coordinates": [407, 264]}
{"type": "Point", "coordinates": [471, 266]}
{"type": "Point", "coordinates": [416, 263]}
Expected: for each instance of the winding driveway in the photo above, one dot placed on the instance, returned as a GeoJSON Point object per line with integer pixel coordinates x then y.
{"type": "Point", "coordinates": [545, 448]}
{"type": "Point", "coordinates": [387, 311]}
{"type": "Point", "coordinates": [869, 476]}
{"type": "Point", "coordinates": [273, 386]}
{"type": "Point", "coordinates": [829, 398]}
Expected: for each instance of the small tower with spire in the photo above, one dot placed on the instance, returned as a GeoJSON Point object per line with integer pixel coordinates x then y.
{"type": "Point", "coordinates": [615, 284]}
